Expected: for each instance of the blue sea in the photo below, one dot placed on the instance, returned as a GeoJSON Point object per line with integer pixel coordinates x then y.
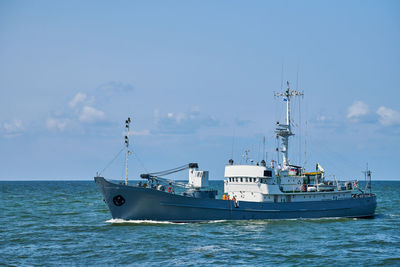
{"type": "Point", "coordinates": [66, 223]}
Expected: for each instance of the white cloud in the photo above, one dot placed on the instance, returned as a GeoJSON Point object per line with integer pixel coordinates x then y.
{"type": "Point", "coordinates": [357, 110]}
{"type": "Point", "coordinates": [13, 128]}
{"type": "Point", "coordinates": [387, 116]}
{"type": "Point", "coordinates": [78, 98]}
{"type": "Point", "coordinates": [56, 124]}
{"type": "Point", "coordinates": [183, 123]}
{"type": "Point", "coordinates": [90, 114]}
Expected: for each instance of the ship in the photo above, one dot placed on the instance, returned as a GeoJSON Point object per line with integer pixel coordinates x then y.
{"type": "Point", "coordinates": [252, 191]}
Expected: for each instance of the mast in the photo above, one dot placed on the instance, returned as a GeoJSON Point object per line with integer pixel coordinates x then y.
{"type": "Point", "coordinates": [127, 122]}
{"type": "Point", "coordinates": [284, 130]}
{"type": "Point", "coordinates": [367, 174]}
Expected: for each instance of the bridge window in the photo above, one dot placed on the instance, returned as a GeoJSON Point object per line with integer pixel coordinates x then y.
{"type": "Point", "coordinates": [241, 179]}
{"type": "Point", "coordinates": [268, 173]}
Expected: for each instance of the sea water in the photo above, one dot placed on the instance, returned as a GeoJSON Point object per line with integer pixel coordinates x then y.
{"type": "Point", "coordinates": [67, 223]}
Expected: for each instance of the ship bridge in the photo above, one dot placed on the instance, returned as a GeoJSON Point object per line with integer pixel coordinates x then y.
{"type": "Point", "coordinates": [250, 171]}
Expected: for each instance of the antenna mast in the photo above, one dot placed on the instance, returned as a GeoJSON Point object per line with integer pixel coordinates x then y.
{"type": "Point", "coordinates": [284, 130]}
{"type": "Point", "coordinates": [367, 174]}
{"type": "Point", "coordinates": [263, 149]}
{"type": "Point", "coordinates": [127, 122]}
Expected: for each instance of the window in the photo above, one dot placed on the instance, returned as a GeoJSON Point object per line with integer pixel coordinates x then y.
{"type": "Point", "coordinates": [241, 179]}
{"type": "Point", "coordinates": [267, 173]}
{"type": "Point", "coordinates": [247, 180]}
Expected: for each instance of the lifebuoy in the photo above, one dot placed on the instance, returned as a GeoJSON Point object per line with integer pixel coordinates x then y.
{"type": "Point", "coordinates": [356, 184]}
{"type": "Point", "coordinates": [170, 190]}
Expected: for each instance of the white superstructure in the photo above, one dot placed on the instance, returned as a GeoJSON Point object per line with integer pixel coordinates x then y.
{"type": "Point", "coordinates": [198, 179]}
{"type": "Point", "coordinates": [286, 183]}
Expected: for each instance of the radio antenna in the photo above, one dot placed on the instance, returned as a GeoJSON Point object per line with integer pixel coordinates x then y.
{"type": "Point", "coordinates": [127, 123]}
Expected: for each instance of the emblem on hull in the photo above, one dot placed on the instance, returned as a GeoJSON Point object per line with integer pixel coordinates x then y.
{"type": "Point", "coordinates": [119, 200]}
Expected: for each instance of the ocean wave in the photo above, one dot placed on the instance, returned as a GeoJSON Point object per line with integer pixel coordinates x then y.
{"type": "Point", "coordinates": [121, 221]}
{"type": "Point", "coordinates": [116, 221]}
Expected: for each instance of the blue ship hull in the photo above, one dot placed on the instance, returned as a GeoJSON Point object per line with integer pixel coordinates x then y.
{"type": "Point", "coordinates": [138, 203]}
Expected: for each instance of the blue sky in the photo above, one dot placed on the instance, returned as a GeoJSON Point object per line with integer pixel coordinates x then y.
{"type": "Point", "coordinates": [197, 78]}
